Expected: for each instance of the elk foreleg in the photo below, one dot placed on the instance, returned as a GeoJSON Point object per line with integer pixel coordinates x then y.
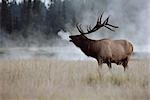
{"type": "Point", "coordinates": [100, 62]}
{"type": "Point", "coordinates": [109, 63]}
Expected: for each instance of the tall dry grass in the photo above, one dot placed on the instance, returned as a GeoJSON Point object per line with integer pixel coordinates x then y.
{"type": "Point", "coordinates": [49, 79]}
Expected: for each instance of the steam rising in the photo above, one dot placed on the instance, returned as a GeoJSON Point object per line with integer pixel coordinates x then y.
{"type": "Point", "coordinates": [64, 35]}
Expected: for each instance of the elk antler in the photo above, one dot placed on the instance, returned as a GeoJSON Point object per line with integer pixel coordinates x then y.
{"type": "Point", "coordinates": [98, 25]}
{"type": "Point", "coordinates": [107, 25]}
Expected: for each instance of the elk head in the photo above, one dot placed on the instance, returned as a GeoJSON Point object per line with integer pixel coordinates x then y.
{"type": "Point", "coordinates": [78, 39]}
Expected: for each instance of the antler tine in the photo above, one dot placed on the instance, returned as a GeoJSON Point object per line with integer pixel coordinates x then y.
{"type": "Point", "coordinates": [82, 30]}
{"type": "Point", "coordinates": [89, 28]}
{"type": "Point", "coordinates": [106, 23]}
{"type": "Point", "coordinates": [110, 24]}
{"type": "Point", "coordinates": [109, 28]}
{"type": "Point", "coordinates": [99, 21]}
{"type": "Point", "coordinates": [79, 28]}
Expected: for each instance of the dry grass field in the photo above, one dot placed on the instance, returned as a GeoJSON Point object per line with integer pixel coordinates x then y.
{"type": "Point", "coordinates": [49, 79]}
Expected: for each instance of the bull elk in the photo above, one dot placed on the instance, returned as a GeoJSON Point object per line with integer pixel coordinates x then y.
{"type": "Point", "coordinates": [105, 50]}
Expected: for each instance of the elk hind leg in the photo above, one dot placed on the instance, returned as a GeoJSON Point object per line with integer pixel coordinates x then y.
{"type": "Point", "coordinates": [125, 64]}
{"type": "Point", "coordinates": [109, 63]}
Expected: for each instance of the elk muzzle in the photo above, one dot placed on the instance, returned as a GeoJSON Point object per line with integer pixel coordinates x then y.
{"type": "Point", "coordinates": [70, 38]}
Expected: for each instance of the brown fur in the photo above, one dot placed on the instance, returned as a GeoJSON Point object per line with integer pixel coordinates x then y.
{"type": "Point", "coordinates": [105, 50]}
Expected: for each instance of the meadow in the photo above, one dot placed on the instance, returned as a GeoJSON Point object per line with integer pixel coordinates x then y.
{"type": "Point", "coordinates": [53, 79]}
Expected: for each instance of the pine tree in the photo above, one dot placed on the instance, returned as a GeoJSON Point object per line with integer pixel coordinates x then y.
{"type": "Point", "coordinates": [26, 16]}
{"type": "Point", "coordinates": [6, 17]}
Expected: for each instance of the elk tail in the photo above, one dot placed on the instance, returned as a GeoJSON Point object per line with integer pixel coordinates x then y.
{"type": "Point", "coordinates": [131, 48]}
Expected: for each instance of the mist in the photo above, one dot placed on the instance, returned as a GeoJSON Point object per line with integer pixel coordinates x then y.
{"type": "Point", "coordinates": [132, 17]}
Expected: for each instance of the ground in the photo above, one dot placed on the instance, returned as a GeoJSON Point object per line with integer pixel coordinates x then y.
{"type": "Point", "coordinates": [53, 79]}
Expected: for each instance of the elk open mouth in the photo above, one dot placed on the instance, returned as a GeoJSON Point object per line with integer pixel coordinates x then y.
{"type": "Point", "coordinates": [70, 39]}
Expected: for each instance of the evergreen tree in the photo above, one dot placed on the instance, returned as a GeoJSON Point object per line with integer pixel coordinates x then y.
{"type": "Point", "coordinates": [55, 18]}
{"type": "Point", "coordinates": [6, 17]}
{"type": "Point", "coordinates": [26, 16]}
{"type": "Point", "coordinates": [15, 12]}
{"type": "Point", "coordinates": [38, 14]}
{"type": "Point", "coordinates": [69, 12]}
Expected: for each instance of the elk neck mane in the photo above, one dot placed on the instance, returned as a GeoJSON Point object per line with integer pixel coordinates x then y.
{"type": "Point", "coordinates": [86, 43]}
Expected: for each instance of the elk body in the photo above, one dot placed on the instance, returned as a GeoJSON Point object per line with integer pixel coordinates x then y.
{"type": "Point", "coordinates": [105, 50]}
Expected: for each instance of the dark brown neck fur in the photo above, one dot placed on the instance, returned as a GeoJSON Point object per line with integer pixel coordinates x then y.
{"type": "Point", "coordinates": [86, 46]}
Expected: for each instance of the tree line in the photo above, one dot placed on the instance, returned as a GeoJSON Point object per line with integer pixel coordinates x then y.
{"type": "Point", "coordinates": [19, 18]}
